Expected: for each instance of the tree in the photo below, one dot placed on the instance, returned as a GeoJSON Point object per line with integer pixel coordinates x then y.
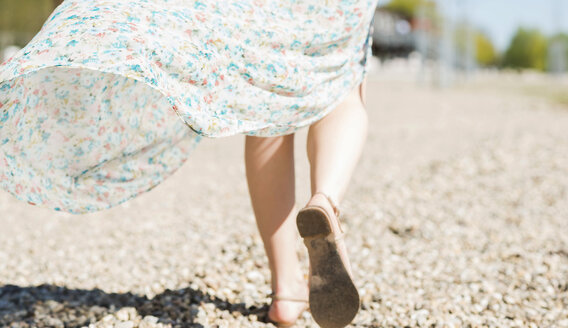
{"type": "Point", "coordinates": [485, 53]}
{"type": "Point", "coordinates": [20, 20]}
{"type": "Point", "coordinates": [24, 15]}
{"type": "Point", "coordinates": [409, 8]}
{"type": "Point", "coordinates": [528, 49]}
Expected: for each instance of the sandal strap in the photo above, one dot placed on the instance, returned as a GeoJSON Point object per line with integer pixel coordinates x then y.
{"type": "Point", "coordinates": [331, 202]}
{"type": "Point", "coordinates": [335, 211]}
{"type": "Point", "coordinates": [340, 236]}
{"type": "Point", "coordinates": [286, 298]}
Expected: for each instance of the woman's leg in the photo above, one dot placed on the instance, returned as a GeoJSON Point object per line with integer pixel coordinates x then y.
{"type": "Point", "coordinates": [270, 176]}
{"type": "Point", "coordinates": [334, 146]}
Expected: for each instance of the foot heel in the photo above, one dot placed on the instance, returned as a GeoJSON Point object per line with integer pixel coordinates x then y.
{"type": "Point", "coordinates": [312, 222]}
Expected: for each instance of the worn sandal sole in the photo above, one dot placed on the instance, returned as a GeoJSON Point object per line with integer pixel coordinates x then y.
{"type": "Point", "coordinates": [334, 300]}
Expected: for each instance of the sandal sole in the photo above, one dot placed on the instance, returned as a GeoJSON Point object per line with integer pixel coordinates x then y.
{"type": "Point", "coordinates": [334, 300]}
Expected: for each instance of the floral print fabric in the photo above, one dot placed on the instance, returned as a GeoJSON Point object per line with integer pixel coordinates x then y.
{"type": "Point", "coordinates": [109, 98]}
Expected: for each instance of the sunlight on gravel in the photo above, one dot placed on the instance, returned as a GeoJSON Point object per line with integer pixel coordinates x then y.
{"type": "Point", "coordinates": [457, 217]}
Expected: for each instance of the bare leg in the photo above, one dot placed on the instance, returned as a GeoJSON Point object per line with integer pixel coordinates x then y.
{"type": "Point", "coordinates": [270, 175]}
{"type": "Point", "coordinates": [334, 146]}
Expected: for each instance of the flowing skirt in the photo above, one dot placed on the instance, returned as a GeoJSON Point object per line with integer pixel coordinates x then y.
{"type": "Point", "coordinates": [109, 98]}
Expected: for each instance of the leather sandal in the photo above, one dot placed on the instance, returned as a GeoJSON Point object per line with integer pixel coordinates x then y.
{"type": "Point", "coordinates": [288, 299]}
{"type": "Point", "coordinates": [334, 300]}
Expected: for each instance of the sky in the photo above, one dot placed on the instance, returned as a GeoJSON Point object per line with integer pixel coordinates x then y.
{"type": "Point", "coordinates": [501, 18]}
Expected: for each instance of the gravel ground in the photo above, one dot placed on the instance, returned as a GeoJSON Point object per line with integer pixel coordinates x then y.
{"type": "Point", "coordinates": [456, 217]}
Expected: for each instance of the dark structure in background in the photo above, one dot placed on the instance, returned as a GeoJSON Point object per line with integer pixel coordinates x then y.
{"type": "Point", "coordinates": [393, 36]}
{"type": "Point", "coordinates": [398, 36]}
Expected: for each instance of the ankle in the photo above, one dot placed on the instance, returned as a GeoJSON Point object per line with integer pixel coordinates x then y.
{"type": "Point", "coordinates": [297, 286]}
{"type": "Point", "coordinates": [326, 200]}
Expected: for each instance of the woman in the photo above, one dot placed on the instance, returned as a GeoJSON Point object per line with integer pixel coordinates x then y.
{"type": "Point", "coordinates": [109, 98]}
{"type": "Point", "coordinates": [334, 145]}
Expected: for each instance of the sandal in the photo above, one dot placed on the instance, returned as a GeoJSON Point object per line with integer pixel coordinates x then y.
{"type": "Point", "coordinates": [289, 299]}
{"type": "Point", "coordinates": [334, 300]}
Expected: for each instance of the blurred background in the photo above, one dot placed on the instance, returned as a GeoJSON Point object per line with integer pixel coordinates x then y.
{"type": "Point", "coordinates": [438, 40]}
{"type": "Point", "coordinates": [445, 41]}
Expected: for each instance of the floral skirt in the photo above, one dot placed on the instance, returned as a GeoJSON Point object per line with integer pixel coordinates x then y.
{"type": "Point", "coordinates": [109, 98]}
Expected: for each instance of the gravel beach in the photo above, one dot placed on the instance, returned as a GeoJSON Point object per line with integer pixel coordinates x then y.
{"type": "Point", "coordinates": [456, 217]}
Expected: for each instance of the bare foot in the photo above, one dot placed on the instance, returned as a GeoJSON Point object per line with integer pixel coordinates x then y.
{"type": "Point", "coordinates": [289, 303]}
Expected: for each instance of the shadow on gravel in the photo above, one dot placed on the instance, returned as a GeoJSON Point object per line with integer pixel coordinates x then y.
{"type": "Point", "coordinates": [55, 306]}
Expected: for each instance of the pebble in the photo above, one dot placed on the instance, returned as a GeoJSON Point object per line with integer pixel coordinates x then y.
{"type": "Point", "coordinates": [474, 237]}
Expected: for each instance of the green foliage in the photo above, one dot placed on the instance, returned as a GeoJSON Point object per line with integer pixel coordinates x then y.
{"type": "Point", "coordinates": [24, 17]}
{"type": "Point", "coordinates": [485, 53]}
{"type": "Point", "coordinates": [561, 36]}
{"type": "Point", "coordinates": [409, 8]}
{"type": "Point", "coordinates": [528, 49]}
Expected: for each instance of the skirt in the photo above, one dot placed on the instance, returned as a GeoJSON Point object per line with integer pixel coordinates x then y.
{"type": "Point", "coordinates": [111, 96]}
